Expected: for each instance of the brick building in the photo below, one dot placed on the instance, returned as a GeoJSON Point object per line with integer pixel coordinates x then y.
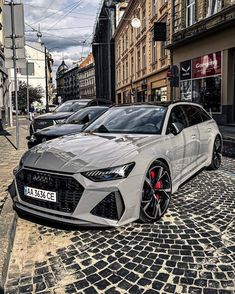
{"type": "Point", "coordinates": [141, 63]}
{"type": "Point", "coordinates": [87, 78]}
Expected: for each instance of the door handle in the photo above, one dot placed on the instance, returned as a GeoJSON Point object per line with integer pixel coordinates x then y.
{"type": "Point", "coordinates": [209, 129]}
{"type": "Point", "coordinates": [193, 136]}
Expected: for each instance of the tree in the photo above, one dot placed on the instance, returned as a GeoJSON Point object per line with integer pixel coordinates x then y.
{"type": "Point", "coordinates": [35, 95]}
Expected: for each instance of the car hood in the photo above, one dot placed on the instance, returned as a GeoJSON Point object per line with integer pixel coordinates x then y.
{"type": "Point", "coordinates": [81, 152]}
{"type": "Point", "coordinates": [59, 130]}
{"type": "Point", "coordinates": [54, 115]}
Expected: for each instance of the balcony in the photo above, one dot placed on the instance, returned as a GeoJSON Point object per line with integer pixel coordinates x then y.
{"type": "Point", "coordinates": [216, 22]}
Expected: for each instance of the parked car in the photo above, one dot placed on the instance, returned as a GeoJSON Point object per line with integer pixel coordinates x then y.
{"type": "Point", "coordinates": [62, 112]}
{"type": "Point", "coordinates": [124, 167]}
{"type": "Point", "coordinates": [74, 124]}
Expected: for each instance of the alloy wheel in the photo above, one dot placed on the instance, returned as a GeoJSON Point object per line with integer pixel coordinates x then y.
{"type": "Point", "coordinates": [217, 153]}
{"type": "Point", "coordinates": [156, 192]}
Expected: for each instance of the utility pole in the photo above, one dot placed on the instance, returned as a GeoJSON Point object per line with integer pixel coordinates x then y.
{"type": "Point", "coordinates": [47, 102]}
{"type": "Point", "coordinates": [27, 73]}
{"type": "Point", "coordinates": [15, 71]}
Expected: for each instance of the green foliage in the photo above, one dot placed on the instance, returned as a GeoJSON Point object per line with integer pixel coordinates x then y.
{"type": "Point", "coordinates": [35, 95]}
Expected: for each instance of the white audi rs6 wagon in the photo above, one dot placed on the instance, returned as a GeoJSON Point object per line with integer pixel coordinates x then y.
{"type": "Point", "coordinates": [125, 166]}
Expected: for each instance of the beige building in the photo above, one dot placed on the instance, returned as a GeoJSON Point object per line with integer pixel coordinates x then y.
{"type": "Point", "coordinates": [204, 51]}
{"type": "Point", "coordinates": [142, 64]}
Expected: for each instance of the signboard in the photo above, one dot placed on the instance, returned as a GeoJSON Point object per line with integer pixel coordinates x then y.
{"type": "Point", "coordinates": [159, 31]}
{"type": "Point", "coordinates": [185, 70]}
{"type": "Point", "coordinates": [207, 65]}
{"type": "Point", "coordinates": [18, 20]}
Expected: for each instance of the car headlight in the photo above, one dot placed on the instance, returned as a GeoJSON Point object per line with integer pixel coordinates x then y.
{"type": "Point", "coordinates": [109, 174]}
{"type": "Point", "coordinates": [59, 121]}
{"type": "Point", "coordinates": [32, 138]}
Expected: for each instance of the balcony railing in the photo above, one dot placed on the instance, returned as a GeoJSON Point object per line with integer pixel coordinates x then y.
{"type": "Point", "coordinates": [220, 19]}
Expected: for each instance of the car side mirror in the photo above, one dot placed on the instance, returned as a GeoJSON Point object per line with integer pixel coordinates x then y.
{"type": "Point", "coordinates": [176, 128]}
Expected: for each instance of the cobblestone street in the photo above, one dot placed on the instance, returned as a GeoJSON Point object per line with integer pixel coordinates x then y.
{"type": "Point", "coordinates": [191, 250]}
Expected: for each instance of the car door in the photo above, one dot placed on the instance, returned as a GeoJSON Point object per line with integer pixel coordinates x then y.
{"type": "Point", "coordinates": [176, 151]}
{"type": "Point", "coordinates": [205, 131]}
{"type": "Point", "coordinates": [192, 137]}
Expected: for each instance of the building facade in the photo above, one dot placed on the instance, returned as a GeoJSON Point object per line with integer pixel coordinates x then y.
{"type": "Point", "coordinates": [35, 57]}
{"type": "Point", "coordinates": [87, 78]}
{"type": "Point", "coordinates": [141, 63]}
{"type": "Point", "coordinates": [203, 47]}
{"type": "Point", "coordinates": [104, 52]}
{"type": "Point", "coordinates": [67, 81]}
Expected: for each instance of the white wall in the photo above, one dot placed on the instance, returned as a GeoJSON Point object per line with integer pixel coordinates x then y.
{"type": "Point", "coordinates": [35, 54]}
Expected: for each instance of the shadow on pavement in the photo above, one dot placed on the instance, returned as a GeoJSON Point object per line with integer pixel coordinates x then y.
{"type": "Point", "coordinates": [59, 225]}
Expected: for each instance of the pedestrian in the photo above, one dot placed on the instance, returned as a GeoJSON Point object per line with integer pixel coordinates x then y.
{"type": "Point", "coordinates": [31, 112]}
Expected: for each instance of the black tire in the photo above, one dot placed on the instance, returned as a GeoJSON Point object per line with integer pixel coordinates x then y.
{"type": "Point", "coordinates": [216, 154]}
{"type": "Point", "coordinates": [156, 193]}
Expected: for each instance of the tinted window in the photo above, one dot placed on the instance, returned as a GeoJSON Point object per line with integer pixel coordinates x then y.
{"type": "Point", "coordinates": [193, 114]}
{"type": "Point", "coordinates": [204, 115]}
{"type": "Point", "coordinates": [84, 115]}
{"type": "Point", "coordinates": [177, 115]}
{"type": "Point", "coordinates": [130, 120]}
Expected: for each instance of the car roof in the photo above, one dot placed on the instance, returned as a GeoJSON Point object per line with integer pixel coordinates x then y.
{"type": "Point", "coordinates": [157, 103]}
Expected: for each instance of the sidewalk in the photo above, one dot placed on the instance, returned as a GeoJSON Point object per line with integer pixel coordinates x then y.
{"type": "Point", "coordinates": [9, 158]}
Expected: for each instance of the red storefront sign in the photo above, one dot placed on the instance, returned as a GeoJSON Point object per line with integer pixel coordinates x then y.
{"type": "Point", "coordinates": [207, 65]}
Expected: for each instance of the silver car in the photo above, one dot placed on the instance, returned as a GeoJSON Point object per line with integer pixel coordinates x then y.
{"type": "Point", "coordinates": [124, 167]}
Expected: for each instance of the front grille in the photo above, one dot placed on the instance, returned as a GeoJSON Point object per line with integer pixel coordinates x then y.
{"type": "Point", "coordinates": [111, 207]}
{"type": "Point", "coordinates": [69, 191]}
{"type": "Point", "coordinates": [39, 124]}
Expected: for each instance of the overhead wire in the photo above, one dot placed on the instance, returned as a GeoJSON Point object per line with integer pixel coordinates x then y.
{"type": "Point", "coordinates": [53, 13]}
{"type": "Point", "coordinates": [66, 14]}
{"type": "Point", "coordinates": [57, 10]}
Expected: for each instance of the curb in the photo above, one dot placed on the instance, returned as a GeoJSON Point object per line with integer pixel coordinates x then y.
{"type": "Point", "coordinates": [8, 221]}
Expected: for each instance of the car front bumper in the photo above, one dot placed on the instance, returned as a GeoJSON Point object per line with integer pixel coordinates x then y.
{"type": "Point", "coordinates": [96, 203]}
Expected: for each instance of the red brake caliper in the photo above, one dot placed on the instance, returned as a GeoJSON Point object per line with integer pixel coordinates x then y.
{"type": "Point", "coordinates": [158, 185]}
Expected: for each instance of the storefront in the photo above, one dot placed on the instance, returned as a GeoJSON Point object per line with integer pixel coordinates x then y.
{"type": "Point", "coordinates": [159, 94]}
{"type": "Point", "coordinates": [200, 81]}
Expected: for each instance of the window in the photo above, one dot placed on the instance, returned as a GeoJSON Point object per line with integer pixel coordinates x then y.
{"type": "Point", "coordinates": [154, 7]}
{"type": "Point", "coordinates": [214, 6]}
{"type": "Point", "coordinates": [132, 33]}
{"type": "Point", "coordinates": [126, 42]}
{"type": "Point", "coordinates": [163, 49]}
{"type": "Point", "coordinates": [123, 72]}
{"type": "Point", "coordinates": [190, 12]}
{"type": "Point", "coordinates": [193, 114]}
{"type": "Point", "coordinates": [143, 18]}
{"type": "Point", "coordinates": [132, 65]}
{"type": "Point", "coordinates": [127, 69]}
{"type": "Point", "coordinates": [154, 51]}
{"type": "Point", "coordinates": [30, 70]}
{"type": "Point", "coordinates": [138, 59]}
{"type": "Point", "coordinates": [144, 57]}
{"type": "Point", "coordinates": [177, 116]}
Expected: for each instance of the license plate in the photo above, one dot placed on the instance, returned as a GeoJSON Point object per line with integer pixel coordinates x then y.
{"type": "Point", "coordinates": [40, 194]}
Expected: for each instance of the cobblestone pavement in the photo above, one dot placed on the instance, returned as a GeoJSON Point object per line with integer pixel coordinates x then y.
{"type": "Point", "coordinates": [9, 156]}
{"type": "Point", "coordinates": [191, 250]}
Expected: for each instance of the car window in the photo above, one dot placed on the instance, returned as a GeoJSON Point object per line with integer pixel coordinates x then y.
{"type": "Point", "coordinates": [130, 120]}
{"type": "Point", "coordinates": [193, 114]}
{"type": "Point", "coordinates": [177, 115]}
{"type": "Point", "coordinates": [204, 115]}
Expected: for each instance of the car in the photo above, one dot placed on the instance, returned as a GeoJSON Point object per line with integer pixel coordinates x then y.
{"type": "Point", "coordinates": [125, 166]}
{"type": "Point", "coordinates": [74, 124]}
{"type": "Point", "coordinates": [61, 113]}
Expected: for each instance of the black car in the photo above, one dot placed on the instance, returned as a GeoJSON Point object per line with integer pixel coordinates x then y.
{"type": "Point", "coordinates": [61, 113]}
{"type": "Point", "coordinates": [74, 124]}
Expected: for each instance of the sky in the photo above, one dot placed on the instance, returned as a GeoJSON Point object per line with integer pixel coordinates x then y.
{"type": "Point", "coordinates": [66, 26]}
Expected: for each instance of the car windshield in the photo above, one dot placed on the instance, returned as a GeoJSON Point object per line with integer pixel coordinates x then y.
{"type": "Point", "coordinates": [71, 106]}
{"type": "Point", "coordinates": [85, 115]}
{"type": "Point", "coordinates": [130, 120]}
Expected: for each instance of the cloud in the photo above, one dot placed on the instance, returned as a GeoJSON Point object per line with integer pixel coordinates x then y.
{"type": "Point", "coordinates": [64, 24]}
